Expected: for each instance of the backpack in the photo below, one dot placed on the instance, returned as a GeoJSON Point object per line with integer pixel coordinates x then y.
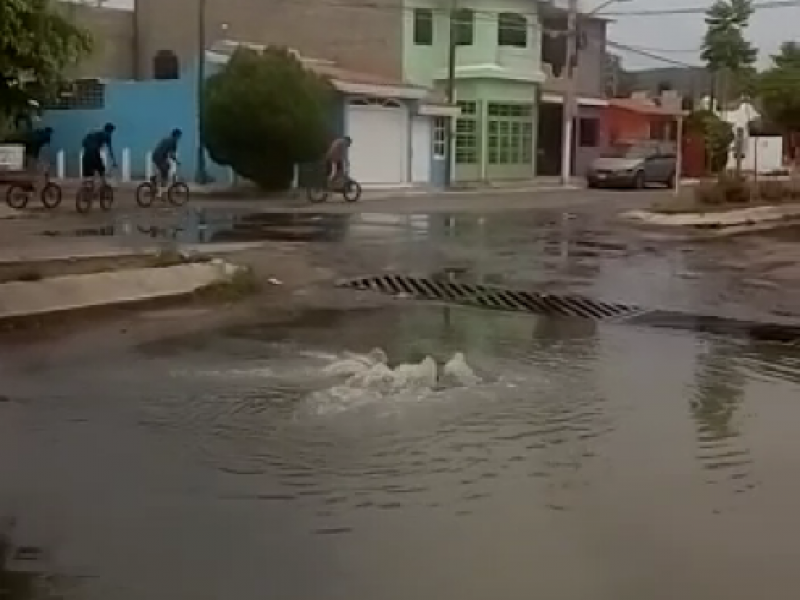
{"type": "Point", "coordinates": [90, 141]}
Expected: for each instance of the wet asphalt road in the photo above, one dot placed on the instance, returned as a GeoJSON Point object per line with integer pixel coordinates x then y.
{"type": "Point", "coordinates": [592, 461]}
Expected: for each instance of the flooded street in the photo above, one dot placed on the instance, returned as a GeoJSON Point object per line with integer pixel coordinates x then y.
{"type": "Point", "coordinates": [585, 460]}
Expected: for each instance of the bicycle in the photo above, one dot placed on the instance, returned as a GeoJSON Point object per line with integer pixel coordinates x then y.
{"type": "Point", "coordinates": [345, 185]}
{"type": "Point", "coordinates": [177, 191]}
{"type": "Point", "coordinates": [90, 191]}
{"type": "Point", "coordinates": [19, 195]}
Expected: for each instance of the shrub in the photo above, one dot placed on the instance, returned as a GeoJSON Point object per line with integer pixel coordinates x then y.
{"type": "Point", "coordinates": [709, 193]}
{"type": "Point", "coordinates": [773, 191]}
{"type": "Point", "coordinates": [264, 113]}
{"type": "Point", "coordinates": [718, 136]}
{"type": "Point", "coordinates": [734, 189]}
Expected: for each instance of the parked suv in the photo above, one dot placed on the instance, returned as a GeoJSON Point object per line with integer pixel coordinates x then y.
{"type": "Point", "coordinates": [634, 165]}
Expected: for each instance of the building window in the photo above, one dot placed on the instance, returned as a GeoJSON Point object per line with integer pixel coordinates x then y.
{"type": "Point", "coordinates": [423, 26]}
{"type": "Point", "coordinates": [510, 130]}
{"type": "Point", "coordinates": [440, 137]}
{"type": "Point", "coordinates": [83, 94]}
{"type": "Point", "coordinates": [663, 130]}
{"type": "Point", "coordinates": [589, 133]}
{"type": "Point", "coordinates": [464, 27]}
{"type": "Point", "coordinates": [512, 30]}
{"type": "Point", "coordinates": [467, 134]}
{"type": "Point", "coordinates": [166, 65]}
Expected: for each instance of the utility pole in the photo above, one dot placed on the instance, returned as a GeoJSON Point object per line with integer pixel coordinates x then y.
{"type": "Point", "coordinates": [201, 170]}
{"type": "Point", "coordinates": [568, 105]}
{"type": "Point", "coordinates": [450, 95]}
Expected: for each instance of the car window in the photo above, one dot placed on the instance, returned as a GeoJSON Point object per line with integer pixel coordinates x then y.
{"type": "Point", "coordinates": [627, 151]}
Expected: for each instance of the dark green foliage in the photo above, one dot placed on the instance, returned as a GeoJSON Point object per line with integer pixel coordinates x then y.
{"type": "Point", "coordinates": [37, 42]}
{"type": "Point", "coordinates": [264, 113]}
{"type": "Point", "coordinates": [726, 51]}
{"type": "Point", "coordinates": [718, 136]}
{"type": "Point", "coordinates": [779, 89]}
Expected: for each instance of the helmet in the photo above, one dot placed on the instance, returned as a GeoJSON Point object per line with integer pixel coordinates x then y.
{"type": "Point", "coordinates": [109, 128]}
{"type": "Point", "coordinates": [176, 133]}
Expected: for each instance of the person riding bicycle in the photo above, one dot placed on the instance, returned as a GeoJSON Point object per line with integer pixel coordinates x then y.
{"type": "Point", "coordinates": [35, 141]}
{"type": "Point", "coordinates": [336, 159]}
{"type": "Point", "coordinates": [164, 155]}
{"type": "Point", "coordinates": [92, 163]}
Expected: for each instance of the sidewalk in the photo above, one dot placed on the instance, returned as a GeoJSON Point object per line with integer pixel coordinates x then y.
{"type": "Point", "coordinates": [219, 191]}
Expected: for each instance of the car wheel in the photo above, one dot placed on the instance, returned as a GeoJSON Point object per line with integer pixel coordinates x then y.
{"type": "Point", "coordinates": [671, 181]}
{"type": "Point", "coordinates": [639, 182]}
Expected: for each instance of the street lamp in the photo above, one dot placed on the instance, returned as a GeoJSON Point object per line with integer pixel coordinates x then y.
{"type": "Point", "coordinates": [569, 108]}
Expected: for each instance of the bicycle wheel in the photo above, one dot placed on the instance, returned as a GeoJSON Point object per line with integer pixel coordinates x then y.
{"type": "Point", "coordinates": [106, 197]}
{"type": "Point", "coordinates": [50, 195]}
{"type": "Point", "coordinates": [145, 194]}
{"type": "Point", "coordinates": [316, 195]}
{"type": "Point", "coordinates": [178, 193]}
{"type": "Point", "coordinates": [352, 191]}
{"type": "Point", "coordinates": [17, 197]}
{"type": "Point", "coordinates": [84, 199]}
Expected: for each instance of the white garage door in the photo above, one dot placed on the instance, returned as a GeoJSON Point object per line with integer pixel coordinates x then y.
{"type": "Point", "coordinates": [380, 143]}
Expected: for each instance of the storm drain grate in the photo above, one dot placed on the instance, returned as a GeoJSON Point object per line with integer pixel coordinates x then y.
{"type": "Point", "coordinates": [495, 298]}
{"type": "Point", "coordinates": [550, 305]}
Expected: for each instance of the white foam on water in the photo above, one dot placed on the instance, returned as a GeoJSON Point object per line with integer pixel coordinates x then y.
{"type": "Point", "coordinates": [367, 380]}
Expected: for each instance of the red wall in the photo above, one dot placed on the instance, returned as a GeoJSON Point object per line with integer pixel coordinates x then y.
{"type": "Point", "coordinates": [628, 125]}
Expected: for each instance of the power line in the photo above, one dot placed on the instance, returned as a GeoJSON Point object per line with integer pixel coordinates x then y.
{"type": "Point", "coordinates": [648, 54]}
{"type": "Point", "coordinates": [695, 10]}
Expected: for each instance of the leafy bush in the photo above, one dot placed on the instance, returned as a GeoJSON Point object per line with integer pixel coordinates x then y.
{"type": "Point", "coordinates": [718, 136]}
{"type": "Point", "coordinates": [709, 193]}
{"type": "Point", "coordinates": [773, 191]}
{"type": "Point", "coordinates": [264, 113]}
{"type": "Point", "coordinates": [734, 189]}
{"type": "Point", "coordinates": [726, 189]}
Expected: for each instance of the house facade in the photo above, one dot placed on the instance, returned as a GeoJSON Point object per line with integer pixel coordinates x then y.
{"type": "Point", "coordinates": [497, 80]}
{"type": "Point", "coordinates": [358, 45]}
{"type": "Point", "coordinates": [590, 131]}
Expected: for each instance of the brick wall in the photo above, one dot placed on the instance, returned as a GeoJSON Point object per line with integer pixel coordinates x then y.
{"type": "Point", "coordinates": [363, 35]}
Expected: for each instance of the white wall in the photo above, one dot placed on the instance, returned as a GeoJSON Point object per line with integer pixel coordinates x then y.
{"type": "Point", "coordinates": [763, 154]}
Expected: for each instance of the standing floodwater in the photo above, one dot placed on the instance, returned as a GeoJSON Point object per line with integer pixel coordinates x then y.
{"type": "Point", "coordinates": [608, 463]}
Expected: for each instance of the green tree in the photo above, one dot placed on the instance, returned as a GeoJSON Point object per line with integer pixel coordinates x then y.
{"type": "Point", "coordinates": [779, 88]}
{"type": "Point", "coordinates": [726, 52]}
{"type": "Point", "coordinates": [37, 42]}
{"type": "Point", "coordinates": [264, 113]}
{"type": "Point", "coordinates": [718, 136]}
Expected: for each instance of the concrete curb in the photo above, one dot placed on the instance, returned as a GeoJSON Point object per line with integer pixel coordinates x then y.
{"type": "Point", "coordinates": [21, 299]}
{"type": "Point", "coordinates": [732, 218]}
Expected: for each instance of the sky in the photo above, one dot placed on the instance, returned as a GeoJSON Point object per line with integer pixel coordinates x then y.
{"type": "Point", "coordinates": [676, 37]}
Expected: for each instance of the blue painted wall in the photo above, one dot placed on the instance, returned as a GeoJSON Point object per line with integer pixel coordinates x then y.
{"type": "Point", "coordinates": [144, 112]}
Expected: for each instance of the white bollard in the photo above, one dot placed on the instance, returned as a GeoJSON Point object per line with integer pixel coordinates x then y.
{"type": "Point", "coordinates": [148, 165]}
{"type": "Point", "coordinates": [296, 177]}
{"type": "Point", "coordinates": [61, 164]}
{"type": "Point", "coordinates": [126, 164]}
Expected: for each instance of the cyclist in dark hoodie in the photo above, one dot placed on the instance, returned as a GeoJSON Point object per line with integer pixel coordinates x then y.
{"type": "Point", "coordinates": [165, 153]}
{"type": "Point", "coordinates": [92, 163]}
